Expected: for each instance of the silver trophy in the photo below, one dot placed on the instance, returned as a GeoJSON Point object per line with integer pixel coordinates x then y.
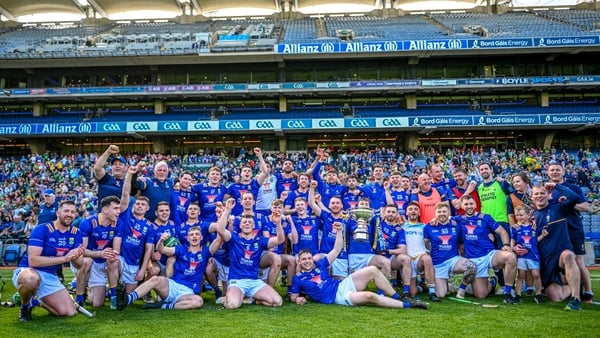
{"type": "Point", "coordinates": [363, 217]}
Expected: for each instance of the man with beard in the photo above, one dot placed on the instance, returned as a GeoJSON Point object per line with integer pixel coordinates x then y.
{"type": "Point", "coordinates": [476, 229]}
{"type": "Point", "coordinates": [50, 246]}
{"type": "Point", "coordinates": [427, 197]}
{"type": "Point", "coordinates": [301, 191]}
{"type": "Point", "coordinates": [287, 178]}
{"type": "Point", "coordinates": [443, 236]}
{"type": "Point", "coordinates": [556, 174]}
{"type": "Point", "coordinates": [352, 193]}
{"type": "Point", "coordinates": [462, 187]}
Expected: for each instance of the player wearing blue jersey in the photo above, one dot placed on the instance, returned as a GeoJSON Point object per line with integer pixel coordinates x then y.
{"type": "Point", "coordinates": [301, 191]}
{"type": "Point", "coordinates": [375, 190]}
{"type": "Point", "coordinates": [476, 230]}
{"type": "Point", "coordinates": [339, 268]}
{"type": "Point", "coordinates": [269, 230]}
{"type": "Point", "coordinates": [576, 235]}
{"type": "Point", "coordinates": [246, 183]}
{"type": "Point", "coordinates": [557, 259]}
{"type": "Point", "coordinates": [442, 236]}
{"type": "Point", "coordinates": [100, 260]}
{"type": "Point", "coordinates": [50, 246]}
{"type": "Point", "coordinates": [352, 193]}
{"type": "Point", "coordinates": [287, 178]}
{"type": "Point", "coordinates": [209, 193]}
{"type": "Point", "coordinates": [182, 291]}
{"type": "Point", "coordinates": [524, 244]}
{"type": "Point", "coordinates": [181, 198]}
{"type": "Point", "coordinates": [134, 241]}
{"type": "Point", "coordinates": [307, 229]}
{"type": "Point", "coordinates": [47, 211]}
{"type": "Point", "coordinates": [314, 280]}
{"type": "Point", "coordinates": [160, 263]}
{"type": "Point", "coordinates": [398, 191]}
{"type": "Point", "coordinates": [331, 186]}
{"type": "Point", "coordinates": [110, 184]}
{"type": "Point", "coordinates": [245, 252]}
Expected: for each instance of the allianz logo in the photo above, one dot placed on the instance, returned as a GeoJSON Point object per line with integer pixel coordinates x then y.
{"type": "Point", "coordinates": [85, 128]}
{"type": "Point", "coordinates": [111, 127]}
{"type": "Point", "coordinates": [25, 129]}
{"type": "Point", "coordinates": [171, 126]}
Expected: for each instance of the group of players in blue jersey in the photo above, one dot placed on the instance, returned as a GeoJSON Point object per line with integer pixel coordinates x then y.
{"type": "Point", "coordinates": [329, 235]}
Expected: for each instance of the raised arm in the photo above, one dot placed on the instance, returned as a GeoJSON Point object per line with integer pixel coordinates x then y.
{"type": "Point", "coordinates": [223, 220]}
{"type": "Point", "coordinates": [275, 241]}
{"type": "Point", "coordinates": [262, 165]}
{"type": "Point", "coordinates": [337, 246]}
{"type": "Point", "coordinates": [311, 199]}
{"type": "Point", "coordinates": [126, 194]}
{"type": "Point", "coordinates": [99, 170]}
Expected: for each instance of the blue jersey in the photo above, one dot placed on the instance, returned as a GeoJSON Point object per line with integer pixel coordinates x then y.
{"type": "Point", "coordinates": [444, 239]}
{"type": "Point", "coordinates": [47, 213]}
{"type": "Point", "coordinates": [327, 190]}
{"type": "Point", "coordinates": [475, 232]}
{"type": "Point", "coordinates": [308, 234]}
{"type": "Point", "coordinates": [350, 197]}
{"type": "Point", "coordinates": [271, 228]}
{"type": "Point", "coordinates": [363, 247]}
{"type": "Point", "coordinates": [53, 243]}
{"type": "Point", "coordinates": [390, 238]}
{"type": "Point", "coordinates": [573, 217]}
{"type": "Point", "coordinates": [182, 231]}
{"type": "Point", "coordinates": [328, 237]}
{"type": "Point", "coordinates": [236, 190]}
{"type": "Point", "coordinates": [525, 236]}
{"type": "Point", "coordinates": [100, 236]}
{"type": "Point", "coordinates": [189, 267]}
{"type": "Point", "coordinates": [285, 183]}
{"type": "Point", "coordinates": [156, 191]}
{"type": "Point", "coordinates": [376, 194]}
{"type": "Point", "coordinates": [134, 234]}
{"type": "Point", "coordinates": [158, 230]}
{"type": "Point", "coordinates": [108, 185]}
{"type": "Point", "coordinates": [291, 199]}
{"type": "Point", "coordinates": [207, 196]}
{"type": "Point", "coordinates": [245, 255]}
{"type": "Point", "coordinates": [180, 201]}
{"type": "Point", "coordinates": [259, 224]}
{"type": "Point", "coordinates": [316, 283]}
{"type": "Point", "coordinates": [401, 199]}
{"type": "Point", "coordinates": [222, 254]}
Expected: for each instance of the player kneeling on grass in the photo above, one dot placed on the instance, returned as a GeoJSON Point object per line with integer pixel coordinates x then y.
{"type": "Point", "coordinates": [181, 291]}
{"type": "Point", "coordinates": [314, 280]}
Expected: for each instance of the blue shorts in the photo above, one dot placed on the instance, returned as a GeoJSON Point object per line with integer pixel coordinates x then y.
{"type": "Point", "coordinates": [49, 282]}
{"type": "Point", "coordinates": [339, 267]}
{"type": "Point", "coordinates": [177, 291]}
{"type": "Point", "coordinates": [345, 288]}
{"type": "Point", "coordinates": [527, 264]}
{"type": "Point", "coordinates": [359, 261]}
{"type": "Point", "coordinates": [484, 263]}
{"type": "Point", "coordinates": [249, 287]}
{"type": "Point", "coordinates": [444, 269]}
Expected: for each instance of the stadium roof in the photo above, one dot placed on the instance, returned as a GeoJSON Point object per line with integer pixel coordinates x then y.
{"type": "Point", "coordinates": [74, 10]}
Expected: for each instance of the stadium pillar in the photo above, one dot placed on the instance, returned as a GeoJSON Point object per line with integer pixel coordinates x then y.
{"type": "Point", "coordinates": [282, 104]}
{"type": "Point", "coordinates": [282, 144]}
{"type": "Point", "coordinates": [38, 108]}
{"type": "Point", "coordinates": [411, 141]}
{"type": "Point", "coordinates": [159, 145]}
{"type": "Point", "coordinates": [544, 141]}
{"type": "Point", "coordinates": [37, 146]}
{"type": "Point", "coordinates": [411, 101]}
{"type": "Point", "coordinates": [159, 107]}
{"type": "Point", "coordinates": [544, 99]}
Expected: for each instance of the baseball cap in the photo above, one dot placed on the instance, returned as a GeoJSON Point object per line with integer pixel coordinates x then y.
{"type": "Point", "coordinates": [118, 158]}
{"type": "Point", "coordinates": [49, 192]}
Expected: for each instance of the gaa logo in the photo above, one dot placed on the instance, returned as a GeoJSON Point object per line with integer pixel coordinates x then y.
{"type": "Point", "coordinates": [327, 124]}
{"type": "Point", "coordinates": [295, 124]}
{"type": "Point", "coordinates": [141, 126]}
{"type": "Point", "coordinates": [171, 126]}
{"type": "Point", "coordinates": [202, 125]}
{"type": "Point", "coordinates": [111, 127]}
{"type": "Point", "coordinates": [85, 128]}
{"type": "Point", "coordinates": [264, 124]}
{"type": "Point", "coordinates": [25, 129]}
{"type": "Point", "coordinates": [359, 123]}
{"type": "Point", "coordinates": [392, 123]}
{"type": "Point", "coordinates": [298, 85]}
{"type": "Point", "coordinates": [233, 125]}
{"type": "Point", "coordinates": [229, 87]}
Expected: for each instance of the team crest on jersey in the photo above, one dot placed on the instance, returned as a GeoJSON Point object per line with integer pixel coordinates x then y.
{"type": "Point", "coordinates": [71, 241]}
{"type": "Point", "coordinates": [111, 234]}
{"type": "Point", "coordinates": [445, 239]}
